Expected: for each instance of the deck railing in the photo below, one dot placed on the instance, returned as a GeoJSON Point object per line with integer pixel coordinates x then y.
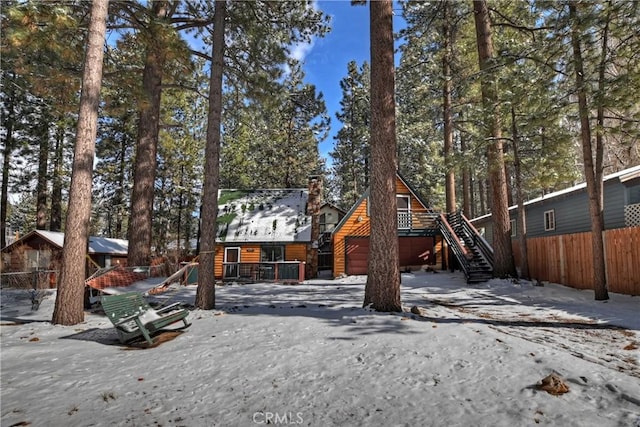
{"type": "Point", "coordinates": [416, 220]}
{"type": "Point", "coordinates": [282, 271]}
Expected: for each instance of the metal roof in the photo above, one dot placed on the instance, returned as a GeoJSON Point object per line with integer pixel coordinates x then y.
{"type": "Point", "coordinates": [97, 245]}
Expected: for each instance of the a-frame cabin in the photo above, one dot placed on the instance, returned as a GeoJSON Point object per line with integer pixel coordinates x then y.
{"type": "Point", "coordinates": [420, 242]}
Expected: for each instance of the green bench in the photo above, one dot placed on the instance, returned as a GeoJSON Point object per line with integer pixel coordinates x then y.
{"type": "Point", "coordinates": [133, 317]}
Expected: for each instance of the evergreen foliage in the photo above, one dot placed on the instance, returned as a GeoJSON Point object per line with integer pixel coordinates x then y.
{"type": "Point", "coordinates": [351, 153]}
{"type": "Point", "coordinates": [273, 118]}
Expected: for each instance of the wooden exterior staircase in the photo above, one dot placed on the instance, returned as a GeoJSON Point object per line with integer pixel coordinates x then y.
{"type": "Point", "coordinates": [472, 251]}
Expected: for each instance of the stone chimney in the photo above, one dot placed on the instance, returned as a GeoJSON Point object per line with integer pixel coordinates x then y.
{"type": "Point", "coordinates": [313, 209]}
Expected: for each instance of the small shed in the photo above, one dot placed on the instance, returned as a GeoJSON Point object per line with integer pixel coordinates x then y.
{"type": "Point", "coordinates": [42, 250]}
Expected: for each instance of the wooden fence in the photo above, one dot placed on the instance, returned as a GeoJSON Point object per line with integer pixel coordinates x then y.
{"type": "Point", "coordinates": [567, 259]}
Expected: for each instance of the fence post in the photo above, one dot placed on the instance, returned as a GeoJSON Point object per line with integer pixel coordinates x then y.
{"type": "Point", "coordinates": [301, 270]}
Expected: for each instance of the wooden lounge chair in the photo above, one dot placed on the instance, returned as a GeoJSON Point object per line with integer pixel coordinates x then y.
{"type": "Point", "coordinates": [133, 317]}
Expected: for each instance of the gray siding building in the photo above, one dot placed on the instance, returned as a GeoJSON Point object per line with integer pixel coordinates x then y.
{"type": "Point", "coordinates": [567, 211]}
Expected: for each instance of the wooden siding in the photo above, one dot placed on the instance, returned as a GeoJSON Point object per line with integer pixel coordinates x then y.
{"type": "Point", "coordinates": [250, 253]}
{"type": "Point", "coordinates": [566, 259]}
{"type": "Point", "coordinates": [217, 262]}
{"type": "Point", "coordinates": [295, 252]}
{"type": "Point", "coordinates": [352, 227]}
{"type": "Point", "coordinates": [572, 212]}
{"type": "Point", "coordinates": [633, 196]}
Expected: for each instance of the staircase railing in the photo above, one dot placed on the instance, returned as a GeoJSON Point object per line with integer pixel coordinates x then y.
{"type": "Point", "coordinates": [460, 251]}
{"type": "Point", "coordinates": [478, 241]}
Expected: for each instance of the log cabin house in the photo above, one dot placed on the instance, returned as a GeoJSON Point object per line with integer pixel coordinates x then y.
{"type": "Point", "coordinates": [268, 234]}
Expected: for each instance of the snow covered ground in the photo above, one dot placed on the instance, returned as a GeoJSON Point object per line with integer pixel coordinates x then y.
{"type": "Point", "coordinates": [309, 355]}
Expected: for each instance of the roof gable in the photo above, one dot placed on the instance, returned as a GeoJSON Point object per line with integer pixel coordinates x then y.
{"type": "Point", "coordinates": [328, 205]}
{"type": "Point", "coordinates": [266, 215]}
{"type": "Point", "coordinates": [366, 194]}
{"type": "Point", "coordinates": [413, 192]}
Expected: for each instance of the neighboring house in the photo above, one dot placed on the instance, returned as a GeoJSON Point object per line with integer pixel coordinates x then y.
{"type": "Point", "coordinates": [567, 211]}
{"type": "Point", "coordinates": [42, 250]}
{"type": "Point", "coordinates": [267, 234]}
{"type": "Point", "coordinates": [420, 242]}
{"type": "Point", "coordinates": [559, 235]}
{"type": "Point", "coordinates": [329, 217]}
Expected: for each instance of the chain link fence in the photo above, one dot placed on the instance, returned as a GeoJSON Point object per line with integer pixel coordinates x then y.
{"type": "Point", "coordinates": [35, 283]}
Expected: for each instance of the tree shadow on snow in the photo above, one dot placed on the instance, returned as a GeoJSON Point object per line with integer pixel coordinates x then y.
{"type": "Point", "coordinates": [109, 337]}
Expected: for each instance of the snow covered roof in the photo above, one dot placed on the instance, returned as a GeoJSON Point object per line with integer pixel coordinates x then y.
{"type": "Point", "coordinates": [273, 215]}
{"type": "Point", "coordinates": [97, 245]}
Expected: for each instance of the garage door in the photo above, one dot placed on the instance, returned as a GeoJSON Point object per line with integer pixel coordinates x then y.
{"type": "Point", "coordinates": [357, 255]}
{"type": "Point", "coordinates": [413, 251]}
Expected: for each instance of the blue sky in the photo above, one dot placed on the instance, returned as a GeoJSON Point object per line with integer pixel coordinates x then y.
{"type": "Point", "coordinates": [327, 58]}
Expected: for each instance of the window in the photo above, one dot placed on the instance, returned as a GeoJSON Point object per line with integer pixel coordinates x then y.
{"type": "Point", "coordinates": [403, 203]}
{"type": "Point", "coordinates": [514, 228]}
{"type": "Point", "coordinates": [323, 222]}
{"type": "Point", "coordinates": [271, 253]}
{"type": "Point", "coordinates": [549, 220]}
{"type": "Point", "coordinates": [634, 195]}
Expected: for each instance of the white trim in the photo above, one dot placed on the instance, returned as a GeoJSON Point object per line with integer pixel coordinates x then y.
{"type": "Point", "coordinates": [550, 220]}
{"type": "Point", "coordinates": [623, 176]}
{"type": "Point", "coordinates": [227, 263]}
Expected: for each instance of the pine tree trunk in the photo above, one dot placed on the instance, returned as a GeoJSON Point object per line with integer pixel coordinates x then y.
{"type": "Point", "coordinates": [468, 208]}
{"type": "Point", "coordinates": [9, 142]}
{"type": "Point", "coordinates": [55, 223]}
{"type": "Point", "coordinates": [450, 182]}
{"type": "Point", "coordinates": [206, 293]}
{"type": "Point", "coordinates": [119, 196]}
{"type": "Point", "coordinates": [69, 307]}
{"type": "Point", "coordinates": [503, 253]}
{"type": "Point", "coordinates": [43, 175]}
{"type": "Point", "coordinates": [592, 173]}
{"type": "Point", "coordinates": [313, 209]}
{"type": "Point", "coordinates": [140, 230]}
{"type": "Point", "coordinates": [382, 290]}
{"type": "Point", "coordinates": [522, 214]}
